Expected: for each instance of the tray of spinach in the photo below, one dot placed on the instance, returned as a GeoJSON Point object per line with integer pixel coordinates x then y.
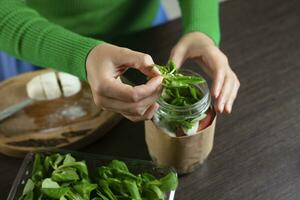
{"type": "Point", "coordinates": [80, 176]}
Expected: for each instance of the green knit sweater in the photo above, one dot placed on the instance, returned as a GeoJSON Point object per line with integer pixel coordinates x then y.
{"type": "Point", "coordinates": [57, 33]}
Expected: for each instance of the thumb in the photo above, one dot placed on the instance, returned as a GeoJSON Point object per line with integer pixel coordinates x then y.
{"type": "Point", "coordinates": [178, 55]}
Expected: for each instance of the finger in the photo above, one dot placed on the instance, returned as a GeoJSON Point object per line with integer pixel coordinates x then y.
{"type": "Point", "coordinates": [137, 108]}
{"type": "Point", "coordinates": [118, 90]}
{"type": "Point", "coordinates": [147, 116]}
{"type": "Point", "coordinates": [225, 93]}
{"type": "Point", "coordinates": [145, 90]}
{"type": "Point", "coordinates": [133, 118]}
{"type": "Point", "coordinates": [232, 97]}
{"type": "Point", "coordinates": [218, 82]}
{"type": "Point", "coordinates": [140, 61]}
{"type": "Point", "coordinates": [178, 55]}
{"type": "Point", "coordinates": [217, 65]}
{"type": "Point", "coordinates": [151, 111]}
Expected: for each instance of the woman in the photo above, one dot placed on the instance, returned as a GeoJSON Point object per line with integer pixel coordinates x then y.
{"type": "Point", "coordinates": [58, 33]}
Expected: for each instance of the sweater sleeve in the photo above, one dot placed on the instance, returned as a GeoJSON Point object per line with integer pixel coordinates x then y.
{"type": "Point", "coordinates": [201, 16]}
{"type": "Point", "coordinates": [28, 36]}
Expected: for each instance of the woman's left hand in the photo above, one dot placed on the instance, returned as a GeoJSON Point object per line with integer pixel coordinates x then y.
{"type": "Point", "coordinates": [199, 47]}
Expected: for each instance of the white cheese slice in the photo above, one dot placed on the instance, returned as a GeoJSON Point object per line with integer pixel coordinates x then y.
{"type": "Point", "coordinates": [193, 130]}
{"type": "Point", "coordinates": [50, 85]}
{"type": "Point", "coordinates": [35, 89]}
{"type": "Point", "coordinates": [70, 84]}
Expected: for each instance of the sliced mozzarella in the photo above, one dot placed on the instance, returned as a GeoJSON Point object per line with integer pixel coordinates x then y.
{"type": "Point", "coordinates": [193, 130]}
{"type": "Point", "coordinates": [50, 85]}
{"type": "Point", "coordinates": [35, 89]}
{"type": "Point", "coordinates": [70, 84]}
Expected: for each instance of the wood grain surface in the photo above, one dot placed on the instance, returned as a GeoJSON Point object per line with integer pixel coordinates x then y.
{"type": "Point", "coordinates": [256, 155]}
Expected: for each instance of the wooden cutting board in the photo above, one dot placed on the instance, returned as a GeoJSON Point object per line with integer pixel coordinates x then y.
{"type": "Point", "coordinates": [71, 122]}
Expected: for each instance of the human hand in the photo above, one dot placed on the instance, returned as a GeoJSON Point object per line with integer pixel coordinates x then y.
{"type": "Point", "coordinates": [199, 47]}
{"type": "Point", "coordinates": [105, 63]}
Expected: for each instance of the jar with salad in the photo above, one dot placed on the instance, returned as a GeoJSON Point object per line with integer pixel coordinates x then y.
{"type": "Point", "coordinates": [182, 130]}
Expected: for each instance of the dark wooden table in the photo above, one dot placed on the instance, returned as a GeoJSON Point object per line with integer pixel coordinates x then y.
{"type": "Point", "coordinates": [256, 155]}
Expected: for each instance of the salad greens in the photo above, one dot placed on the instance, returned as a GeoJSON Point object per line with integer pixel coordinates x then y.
{"type": "Point", "coordinates": [61, 177]}
{"type": "Point", "coordinates": [179, 90]}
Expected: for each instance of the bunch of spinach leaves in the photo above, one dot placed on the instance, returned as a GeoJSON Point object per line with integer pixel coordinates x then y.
{"type": "Point", "coordinates": [117, 182]}
{"type": "Point", "coordinates": [61, 177]}
{"type": "Point", "coordinates": [179, 90]}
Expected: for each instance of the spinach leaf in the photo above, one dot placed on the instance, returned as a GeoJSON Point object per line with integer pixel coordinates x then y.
{"type": "Point", "coordinates": [65, 174]}
{"type": "Point", "coordinates": [29, 186]}
{"type": "Point", "coordinates": [38, 169]}
{"type": "Point", "coordinates": [104, 172]}
{"type": "Point", "coordinates": [117, 186]}
{"type": "Point", "coordinates": [154, 192]}
{"type": "Point", "coordinates": [28, 191]}
{"type": "Point", "coordinates": [28, 196]}
{"type": "Point", "coordinates": [168, 182]}
{"type": "Point", "coordinates": [85, 189]}
{"type": "Point", "coordinates": [133, 189]}
{"type": "Point", "coordinates": [104, 186]}
{"type": "Point", "coordinates": [124, 175]}
{"type": "Point", "coordinates": [102, 196]}
{"type": "Point", "coordinates": [79, 165]}
{"type": "Point", "coordinates": [69, 158]}
{"type": "Point", "coordinates": [53, 190]}
{"type": "Point", "coordinates": [148, 177]}
{"type": "Point", "coordinates": [119, 165]}
{"type": "Point", "coordinates": [53, 161]}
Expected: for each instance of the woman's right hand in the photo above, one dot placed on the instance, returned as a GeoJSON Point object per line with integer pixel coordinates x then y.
{"type": "Point", "coordinates": [105, 63]}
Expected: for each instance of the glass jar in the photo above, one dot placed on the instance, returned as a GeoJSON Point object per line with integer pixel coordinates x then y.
{"type": "Point", "coordinates": [183, 120]}
{"type": "Point", "coordinates": [182, 136]}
